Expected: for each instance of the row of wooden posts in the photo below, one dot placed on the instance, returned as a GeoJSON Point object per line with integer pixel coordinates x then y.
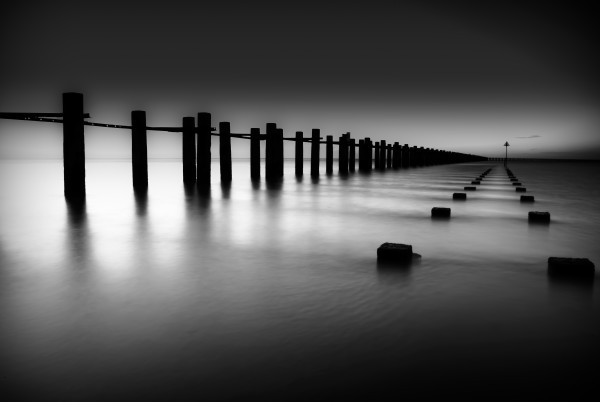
{"type": "Point", "coordinates": [196, 150]}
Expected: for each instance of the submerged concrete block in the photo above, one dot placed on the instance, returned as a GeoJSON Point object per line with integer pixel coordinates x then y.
{"type": "Point", "coordinates": [394, 252]}
{"type": "Point", "coordinates": [476, 182]}
{"type": "Point", "coordinates": [468, 188]}
{"type": "Point", "coordinates": [521, 190]}
{"type": "Point", "coordinates": [537, 216]}
{"type": "Point", "coordinates": [527, 198]}
{"type": "Point", "coordinates": [440, 212]}
{"type": "Point", "coordinates": [571, 267]}
{"type": "Point", "coordinates": [459, 196]}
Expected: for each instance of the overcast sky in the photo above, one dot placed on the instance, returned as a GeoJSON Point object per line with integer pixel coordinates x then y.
{"type": "Point", "coordinates": [460, 76]}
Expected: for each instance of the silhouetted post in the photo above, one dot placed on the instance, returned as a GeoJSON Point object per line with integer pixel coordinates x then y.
{"type": "Point", "coordinates": [377, 155]}
{"type": "Point", "coordinates": [255, 153]}
{"type": "Point", "coordinates": [329, 155]}
{"type": "Point", "coordinates": [225, 151]}
{"type": "Point", "coordinates": [270, 152]}
{"type": "Point", "coordinates": [368, 154]}
{"type": "Point", "coordinates": [396, 155]}
{"type": "Point", "coordinates": [382, 155]}
{"type": "Point", "coordinates": [506, 145]}
{"type": "Point", "coordinates": [315, 148]}
{"type": "Point", "coordinates": [188, 150]}
{"type": "Point", "coordinates": [73, 146]}
{"type": "Point", "coordinates": [279, 153]}
{"type": "Point", "coordinates": [139, 152]}
{"type": "Point", "coordinates": [299, 154]}
{"type": "Point", "coordinates": [405, 156]}
{"type": "Point", "coordinates": [203, 149]}
{"type": "Point", "coordinates": [361, 155]}
{"type": "Point", "coordinates": [343, 154]}
{"type": "Point", "coordinates": [352, 163]}
{"type": "Point", "coordinates": [414, 156]}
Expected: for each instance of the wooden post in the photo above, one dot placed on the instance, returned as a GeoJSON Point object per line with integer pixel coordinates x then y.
{"type": "Point", "coordinates": [362, 153]}
{"type": "Point", "coordinates": [396, 155]}
{"type": "Point", "coordinates": [203, 150]}
{"type": "Point", "coordinates": [188, 151]}
{"type": "Point", "coordinates": [272, 149]}
{"type": "Point", "coordinates": [73, 146]}
{"type": "Point", "coordinates": [315, 148]}
{"type": "Point", "coordinates": [329, 155]}
{"type": "Point", "coordinates": [139, 152]}
{"type": "Point", "coordinates": [382, 155]}
{"type": "Point", "coordinates": [299, 154]}
{"type": "Point", "coordinates": [255, 153]}
{"type": "Point", "coordinates": [279, 153]}
{"type": "Point", "coordinates": [368, 154]}
{"type": "Point", "coordinates": [352, 166]}
{"type": "Point", "coordinates": [343, 155]}
{"type": "Point", "coordinates": [377, 155]}
{"type": "Point", "coordinates": [405, 156]}
{"type": "Point", "coordinates": [225, 151]}
{"type": "Point", "coordinates": [389, 156]}
{"type": "Point", "coordinates": [414, 156]}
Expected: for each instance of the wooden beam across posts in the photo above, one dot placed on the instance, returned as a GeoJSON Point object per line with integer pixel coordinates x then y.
{"type": "Point", "coordinates": [329, 155]}
{"type": "Point", "coordinates": [315, 150]}
{"type": "Point", "coordinates": [299, 154]}
{"type": "Point", "coordinates": [255, 153]}
{"type": "Point", "coordinates": [352, 162]}
{"type": "Point", "coordinates": [389, 156]}
{"type": "Point", "coordinates": [225, 151]}
{"type": "Point", "coordinates": [377, 155]}
{"type": "Point", "coordinates": [203, 150]}
{"type": "Point", "coordinates": [382, 155]}
{"type": "Point", "coordinates": [343, 155]}
{"type": "Point", "coordinates": [139, 151]}
{"type": "Point", "coordinates": [73, 146]}
{"type": "Point", "coordinates": [188, 151]}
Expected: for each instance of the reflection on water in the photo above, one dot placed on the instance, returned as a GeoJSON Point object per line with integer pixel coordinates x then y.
{"type": "Point", "coordinates": [259, 290]}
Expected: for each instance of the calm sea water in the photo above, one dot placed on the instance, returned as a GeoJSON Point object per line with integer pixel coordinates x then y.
{"type": "Point", "coordinates": [274, 292]}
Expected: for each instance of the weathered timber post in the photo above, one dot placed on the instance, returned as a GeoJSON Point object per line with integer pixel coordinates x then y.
{"type": "Point", "coordinates": [369, 154]}
{"type": "Point", "coordinates": [315, 148]}
{"type": "Point", "coordinates": [405, 156]}
{"type": "Point", "coordinates": [279, 153]}
{"type": "Point", "coordinates": [270, 152]}
{"type": "Point", "coordinates": [139, 151]}
{"type": "Point", "coordinates": [352, 165]}
{"type": "Point", "coordinates": [299, 154]}
{"type": "Point", "coordinates": [343, 155]}
{"type": "Point", "coordinates": [382, 152]}
{"type": "Point", "coordinates": [396, 155]}
{"type": "Point", "coordinates": [329, 155]}
{"type": "Point", "coordinates": [225, 151]}
{"type": "Point", "coordinates": [188, 150]}
{"type": "Point", "coordinates": [377, 155]}
{"type": "Point", "coordinates": [73, 146]}
{"type": "Point", "coordinates": [203, 143]}
{"type": "Point", "coordinates": [389, 156]}
{"type": "Point", "coordinates": [255, 153]}
{"type": "Point", "coordinates": [362, 154]}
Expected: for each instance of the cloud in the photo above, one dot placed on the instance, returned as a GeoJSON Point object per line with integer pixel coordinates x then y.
{"type": "Point", "coordinates": [530, 136]}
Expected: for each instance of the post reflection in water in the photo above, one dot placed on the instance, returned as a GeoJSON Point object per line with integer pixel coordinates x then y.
{"type": "Point", "coordinates": [272, 290]}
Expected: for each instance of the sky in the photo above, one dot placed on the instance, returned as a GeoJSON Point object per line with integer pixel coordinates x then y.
{"type": "Point", "coordinates": [456, 75]}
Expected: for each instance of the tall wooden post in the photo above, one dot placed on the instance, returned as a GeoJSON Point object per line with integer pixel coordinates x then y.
{"type": "Point", "coordinates": [271, 153]}
{"type": "Point", "coordinates": [73, 146]}
{"type": "Point", "coordinates": [255, 153]}
{"type": "Point", "coordinates": [389, 156]}
{"type": "Point", "coordinates": [315, 150]}
{"type": "Point", "coordinates": [352, 166]}
{"type": "Point", "coordinates": [377, 155]}
{"type": "Point", "coordinates": [225, 151]}
{"type": "Point", "coordinates": [414, 156]}
{"type": "Point", "coordinates": [329, 155]}
{"type": "Point", "coordinates": [405, 156]}
{"type": "Point", "coordinates": [382, 155]}
{"type": "Point", "coordinates": [396, 155]}
{"type": "Point", "coordinates": [279, 153]}
{"type": "Point", "coordinates": [203, 150]}
{"type": "Point", "coordinates": [299, 154]}
{"type": "Point", "coordinates": [188, 151]}
{"type": "Point", "coordinates": [343, 155]}
{"type": "Point", "coordinates": [368, 154]}
{"type": "Point", "coordinates": [139, 151]}
{"type": "Point", "coordinates": [362, 155]}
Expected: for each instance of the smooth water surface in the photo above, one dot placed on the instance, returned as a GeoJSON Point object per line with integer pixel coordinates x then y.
{"type": "Point", "coordinates": [273, 292]}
